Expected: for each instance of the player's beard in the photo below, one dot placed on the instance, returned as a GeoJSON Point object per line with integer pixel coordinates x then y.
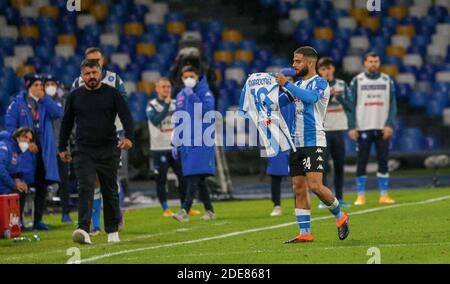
{"type": "Point", "coordinates": [93, 83]}
{"type": "Point", "coordinates": [303, 72]}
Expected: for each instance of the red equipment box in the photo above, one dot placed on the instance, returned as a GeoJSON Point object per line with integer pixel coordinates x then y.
{"type": "Point", "coordinates": [9, 216]}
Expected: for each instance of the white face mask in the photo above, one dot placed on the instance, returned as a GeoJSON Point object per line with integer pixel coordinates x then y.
{"type": "Point", "coordinates": [190, 82]}
{"type": "Point", "coordinates": [51, 91]}
{"type": "Point", "coordinates": [24, 146]}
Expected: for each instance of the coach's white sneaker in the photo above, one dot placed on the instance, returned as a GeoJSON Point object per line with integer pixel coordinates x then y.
{"type": "Point", "coordinates": [81, 237]}
{"type": "Point", "coordinates": [276, 211]}
{"type": "Point", "coordinates": [113, 237]}
{"type": "Point", "coordinates": [209, 215]}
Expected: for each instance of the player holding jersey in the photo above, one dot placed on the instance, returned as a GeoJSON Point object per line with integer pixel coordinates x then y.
{"type": "Point", "coordinates": [310, 95]}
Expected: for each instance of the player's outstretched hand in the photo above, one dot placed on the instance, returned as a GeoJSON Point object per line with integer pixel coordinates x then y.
{"type": "Point", "coordinates": [125, 144]}
{"type": "Point", "coordinates": [281, 79]}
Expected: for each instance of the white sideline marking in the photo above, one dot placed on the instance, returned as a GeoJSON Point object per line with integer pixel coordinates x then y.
{"type": "Point", "coordinates": [103, 256]}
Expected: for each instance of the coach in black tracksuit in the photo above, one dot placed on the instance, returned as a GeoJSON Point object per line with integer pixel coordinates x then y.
{"type": "Point", "coordinates": [93, 108]}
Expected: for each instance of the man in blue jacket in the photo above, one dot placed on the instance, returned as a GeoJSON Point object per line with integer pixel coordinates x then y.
{"type": "Point", "coordinates": [37, 111]}
{"type": "Point", "coordinates": [197, 155]}
{"type": "Point", "coordinates": [11, 147]}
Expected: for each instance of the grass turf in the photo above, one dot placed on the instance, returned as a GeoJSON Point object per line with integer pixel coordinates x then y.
{"type": "Point", "coordinates": [404, 233]}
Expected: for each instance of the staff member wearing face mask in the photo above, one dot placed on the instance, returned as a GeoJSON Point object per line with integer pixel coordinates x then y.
{"type": "Point", "coordinates": [52, 89]}
{"type": "Point", "coordinates": [11, 147]}
{"type": "Point", "coordinates": [197, 156]}
{"type": "Point", "coordinates": [37, 111]}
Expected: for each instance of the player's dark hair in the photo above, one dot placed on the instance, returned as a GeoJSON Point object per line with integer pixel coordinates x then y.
{"type": "Point", "coordinates": [89, 63]}
{"type": "Point", "coordinates": [307, 51]}
{"type": "Point", "coordinates": [189, 68]}
{"type": "Point", "coordinates": [370, 54]}
{"type": "Point", "coordinates": [22, 131]}
{"type": "Point", "coordinates": [90, 50]}
{"type": "Point", "coordinates": [325, 62]}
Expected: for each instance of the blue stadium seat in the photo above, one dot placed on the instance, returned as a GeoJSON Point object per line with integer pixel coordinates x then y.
{"type": "Point", "coordinates": [362, 32]}
{"type": "Point", "coordinates": [283, 8]}
{"type": "Point", "coordinates": [418, 99]}
{"type": "Point", "coordinates": [343, 33]}
{"type": "Point", "coordinates": [421, 40]}
{"type": "Point", "coordinates": [442, 97]}
{"type": "Point", "coordinates": [403, 91]}
{"type": "Point", "coordinates": [158, 30]}
{"type": "Point", "coordinates": [427, 73]}
{"type": "Point", "coordinates": [438, 12]}
{"type": "Point", "coordinates": [174, 17]}
{"type": "Point", "coordinates": [322, 46]}
{"type": "Point", "coordinates": [194, 26]}
{"type": "Point", "coordinates": [302, 36]}
{"type": "Point", "coordinates": [248, 45]}
{"type": "Point", "coordinates": [409, 69]}
{"type": "Point", "coordinates": [264, 54]}
{"type": "Point", "coordinates": [7, 46]}
{"type": "Point", "coordinates": [435, 108]}
{"type": "Point", "coordinates": [11, 15]}
{"type": "Point", "coordinates": [432, 143]}
{"type": "Point", "coordinates": [441, 87]}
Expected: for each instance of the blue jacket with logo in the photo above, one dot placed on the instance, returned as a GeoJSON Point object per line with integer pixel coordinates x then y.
{"type": "Point", "coordinates": [19, 115]}
{"type": "Point", "coordinates": [197, 158]}
{"type": "Point", "coordinates": [9, 169]}
{"type": "Point", "coordinates": [279, 164]}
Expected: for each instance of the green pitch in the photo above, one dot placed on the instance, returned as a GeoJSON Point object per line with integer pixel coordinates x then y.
{"type": "Point", "coordinates": [415, 230]}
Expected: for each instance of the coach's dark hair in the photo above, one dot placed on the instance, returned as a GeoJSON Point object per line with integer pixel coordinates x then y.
{"type": "Point", "coordinates": [307, 51]}
{"type": "Point", "coordinates": [22, 131]}
{"type": "Point", "coordinates": [190, 68]}
{"type": "Point", "coordinates": [90, 50]}
{"type": "Point", "coordinates": [89, 63]}
{"type": "Point", "coordinates": [325, 62]}
{"type": "Point", "coordinates": [370, 54]}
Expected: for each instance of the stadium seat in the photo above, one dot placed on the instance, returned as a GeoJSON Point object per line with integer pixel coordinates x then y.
{"type": "Point", "coordinates": [223, 56]}
{"type": "Point", "coordinates": [148, 49]}
{"type": "Point", "coordinates": [401, 40]}
{"type": "Point", "coordinates": [371, 22]}
{"type": "Point", "coordinates": [154, 18]}
{"type": "Point", "coordinates": [397, 51]}
{"type": "Point", "coordinates": [298, 14]}
{"type": "Point", "coordinates": [23, 52]}
{"type": "Point", "coordinates": [398, 12]}
{"type": "Point", "coordinates": [146, 87]}
{"type": "Point", "coordinates": [413, 60]}
{"type": "Point", "coordinates": [359, 42]}
{"type": "Point", "coordinates": [133, 29]}
{"type": "Point", "coordinates": [29, 31]}
{"type": "Point", "coordinates": [25, 69]}
{"type": "Point", "coordinates": [99, 11]}
{"type": "Point", "coordinates": [176, 28]}
{"type": "Point", "coordinates": [406, 78]}
{"type": "Point", "coordinates": [418, 100]}
{"type": "Point", "coordinates": [150, 76]}
{"type": "Point", "coordinates": [67, 39]}
{"type": "Point", "coordinates": [403, 91]}
{"type": "Point", "coordinates": [20, 3]}
{"type": "Point", "coordinates": [406, 30]}
{"type": "Point", "coordinates": [347, 23]}
{"type": "Point", "coordinates": [443, 76]}
{"type": "Point", "coordinates": [434, 108]}
{"type": "Point", "coordinates": [323, 33]}
{"type": "Point", "coordinates": [64, 50]}
{"type": "Point", "coordinates": [244, 55]}
{"type": "Point", "coordinates": [235, 73]}
{"type": "Point", "coordinates": [352, 64]}
{"type": "Point", "coordinates": [121, 59]}
{"type": "Point", "coordinates": [49, 11]}
{"type": "Point", "coordinates": [286, 27]}
{"type": "Point", "coordinates": [359, 14]}
{"type": "Point", "coordinates": [233, 36]}
{"type": "Point", "coordinates": [390, 69]}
